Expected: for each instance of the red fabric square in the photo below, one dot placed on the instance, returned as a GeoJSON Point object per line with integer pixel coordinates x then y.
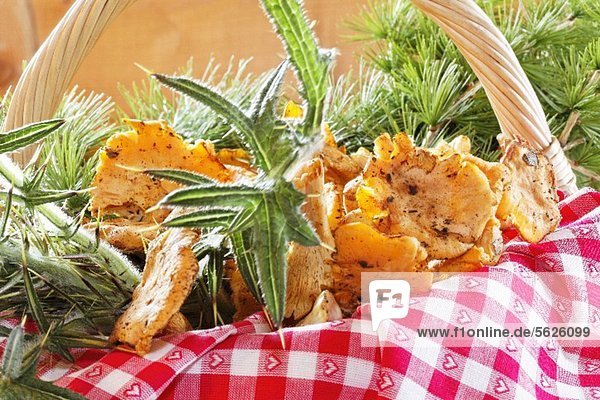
{"type": "Point", "coordinates": [506, 365]}
{"type": "Point", "coordinates": [156, 375]}
{"type": "Point", "coordinates": [443, 386]}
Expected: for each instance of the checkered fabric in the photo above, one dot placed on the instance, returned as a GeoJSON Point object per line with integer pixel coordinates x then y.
{"type": "Point", "coordinates": [329, 361]}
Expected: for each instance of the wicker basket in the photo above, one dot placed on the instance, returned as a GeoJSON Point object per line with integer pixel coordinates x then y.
{"type": "Point", "coordinates": [513, 99]}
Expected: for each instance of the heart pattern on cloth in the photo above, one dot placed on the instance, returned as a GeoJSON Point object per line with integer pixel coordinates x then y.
{"type": "Point", "coordinates": [272, 362]}
{"type": "Point", "coordinates": [385, 381]}
{"type": "Point", "coordinates": [329, 367]}
{"type": "Point", "coordinates": [449, 363]}
{"type": "Point", "coordinates": [94, 372]}
{"type": "Point", "coordinates": [463, 317]}
{"type": "Point", "coordinates": [500, 387]}
{"type": "Point", "coordinates": [215, 360]}
{"type": "Point", "coordinates": [133, 391]}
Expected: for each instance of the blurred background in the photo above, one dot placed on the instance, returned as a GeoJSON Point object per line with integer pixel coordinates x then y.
{"type": "Point", "coordinates": [162, 35]}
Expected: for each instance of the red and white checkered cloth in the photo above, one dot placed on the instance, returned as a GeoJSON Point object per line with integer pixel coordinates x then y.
{"type": "Point", "coordinates": [245, 360]}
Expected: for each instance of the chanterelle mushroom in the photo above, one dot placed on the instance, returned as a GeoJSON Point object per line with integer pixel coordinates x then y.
{"type": "Point", "coordinates": [325, 309]}
{"type": "Point", "coordinates": [486, 251]}
{"type": "Point", "coordinates": [130, 237]}
{"type": "Point", "coordinates": [531, 202]}
{"type": "Point", "coordinates": [417, 192]}
{"type": "Point", "coordinates": [309, 268]}
{"type": "Point", "coordinates": [121, 189]}
{"type": "Point", "coordinates": [171, 269]}
{"type": "Point", "coordinates": [362, 248]}
{"type": "Point", "coordinates": [151, 144]}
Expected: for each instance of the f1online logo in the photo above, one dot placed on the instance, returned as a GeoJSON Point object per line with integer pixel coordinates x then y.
{"type": "Point", "coordinates": [389, 300]}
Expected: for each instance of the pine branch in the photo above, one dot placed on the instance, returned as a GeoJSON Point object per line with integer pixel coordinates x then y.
{"type": "Point", "coordinates": [13, 176]}
{"type": "Point", "coordinates": [68, 158]}
{"type": "Point", "coordinates": [558, 44]}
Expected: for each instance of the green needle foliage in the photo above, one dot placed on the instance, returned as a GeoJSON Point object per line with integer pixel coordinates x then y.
{"type": "Point", "coordinates": [416, 81]}
{"type": "Point", "coordinates": [72, 285]}
{"type": "Point", "coordinates": [65, 264]}
{"type": "Point", "coordinates": [68, 158]}
{"type": "Point", "coordinates": [412, 79]}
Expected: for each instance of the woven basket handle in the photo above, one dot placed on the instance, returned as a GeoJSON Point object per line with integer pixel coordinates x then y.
{"type": "Point", "coordinates": [49, 73]}
{"type": "Point", "coordinates": [512, 97]}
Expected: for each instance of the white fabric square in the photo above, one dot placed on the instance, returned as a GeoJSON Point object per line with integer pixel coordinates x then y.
{"type": "Point", "coordinates": [485, 322]}
{"type": "Point", "coordinates": [529, 365]}
{"type": "Point", "coordinates": [409, 389]}
{"type": "Point", "coordinates": [114, 381]}
{"type": "Point", "coordinates": [476, 375]}
{"type": "Point", "coordinates": [439, 308]}
{"type": "Point", "coordinates": [499, 292]}
{"type": "Point", "coordinates": [58, 371]}
{"type": "Point", "coordinates": [426, 350]}
{"type": "Point", "coordinates": [579, 313]}
{"type": "Point", "coordinates": [358, 372]}
{"type": "Point", "coordinates": [160, 349]}
{"type": "Point", "coordinates": [573, 265]}
{"type": "Point", "coordinates": [566, 391]}
{"type": "Point", "coordinates": [302, 364]}
{"type": "Point", "coordinates": [521, 393]}
{"type": "Point", "coordinates": [567, 361]}
{"type": "Point", "coordinates": [245, 362]}
{"type": "Point", "coordinates": [451, 284]}
{"type": "Point", "coordinates": [560, 234]}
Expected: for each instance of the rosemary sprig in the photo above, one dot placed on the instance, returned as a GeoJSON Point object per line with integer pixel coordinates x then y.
{"type": "Point", "coordinates": [11, 175]}
{"type": "Point", "coordinates": [17, 376]}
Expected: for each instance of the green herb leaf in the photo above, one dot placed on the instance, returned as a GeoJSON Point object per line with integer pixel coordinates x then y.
{"type": "Point", "coordinates": [179, 176]}
{"type": "Point", "coordinates": [270, 246]}
{"type": "Point", "coordinates": [274, 135]}
{"type": "Point", "coordinates": [298, 229]}
{"type": "Point", "coordinates": [210, 241]}
{"type": "Point", "coordinates": [46, 197]}
{"type": "Point", "coordinates": [243, 250]}
{"type": "Point", "coordinates": [7, 211]}
{"type": "Point", "coordinates": [75, 340]}
{"type": "Point", "coordinates": [207, 218]}
{"type": "Point", "coordinates": [35, 389]}
{"type": "Point", "coordinates": [13, 354]}
{"type": "Point", "coordinates": [243, 220]}
{"type": "Point", "coordinates": [268, 95]}
{"type": "Point", "coordinates": [210, 195]}
{"type": "Point", "coordinates": [28, 134]}
{"type": "Point", "coordinates": [310, 62]}
{"type": "Point", "coordinates": [223, 107]}
{"type": "Point", "coordinates": [35, 306]}
{"type": "Point", "coordinates": [37, 199]}
{"type": "Point", "coordinates": [212, 273]}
